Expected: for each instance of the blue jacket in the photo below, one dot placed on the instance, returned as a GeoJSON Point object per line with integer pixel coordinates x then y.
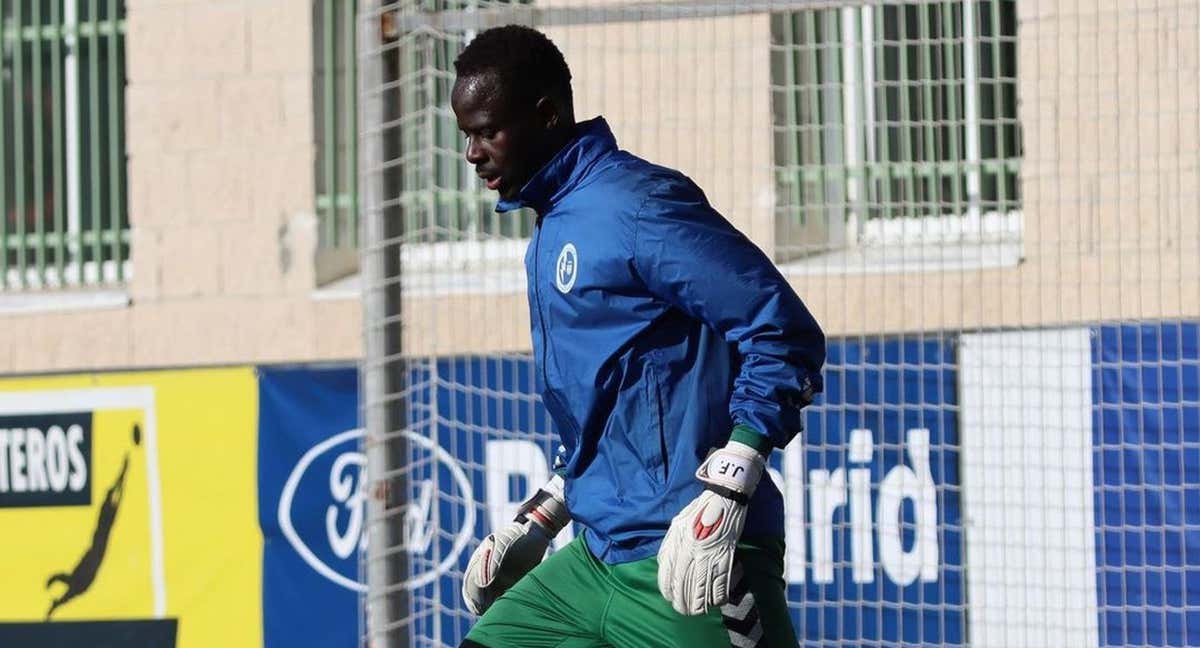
{"type": "Point", "coordinates": [657, 327]}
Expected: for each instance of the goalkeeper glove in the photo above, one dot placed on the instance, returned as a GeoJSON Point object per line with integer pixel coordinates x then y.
{"type": "Point", "coordinates": [695, 561]}
{"type": "Point", "coordinates": [509, 553]}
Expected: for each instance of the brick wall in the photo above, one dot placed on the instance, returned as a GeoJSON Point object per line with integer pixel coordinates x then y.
{"type": "Point", "coordinates": [221, 184]}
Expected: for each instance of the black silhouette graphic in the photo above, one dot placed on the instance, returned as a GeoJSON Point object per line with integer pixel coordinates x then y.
{"type": "Point", "coordinates": [81, 578]}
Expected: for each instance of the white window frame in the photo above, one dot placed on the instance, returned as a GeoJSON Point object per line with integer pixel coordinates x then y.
{"type": "Point", "coordinates": [858, 245]}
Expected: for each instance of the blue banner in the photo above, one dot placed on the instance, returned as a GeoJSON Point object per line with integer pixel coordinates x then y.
{"type": "Point", "coordinates": [883, 544]}
{"type": "Point", "coordinates": [496, 435]}
{"type": "Point", "coordinates": [1146, 467]}
{"type": "Point", "coordinates": [879, 562]}
{"type": "Point", "coordinates": [876, 545]}
{"type": "Point", "coordinates": [310, 506]}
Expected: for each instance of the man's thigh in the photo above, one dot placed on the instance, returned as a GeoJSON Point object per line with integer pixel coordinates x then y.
{"type": "Point", "coordinates": [762, 581]}
{"type": "Point", "coordinates": [557, 605]}
{"type": "Point", "coordinates": [572, 600]}
{"type": "Point", "coordinates": [756, 614]}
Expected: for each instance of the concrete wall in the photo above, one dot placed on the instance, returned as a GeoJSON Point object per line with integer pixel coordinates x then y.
{"type": "Point", "coordinates": [220, 143]}
{"type": "Point", "coordinates": [221, 196]}
{"type": "Point", "coordinates": [1110, 176]}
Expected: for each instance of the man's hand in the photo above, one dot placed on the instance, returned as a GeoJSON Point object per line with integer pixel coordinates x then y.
{"type": "Point", "coordinates": [695, 562]}
{"type": "Point", "coordinates": [509, 553]}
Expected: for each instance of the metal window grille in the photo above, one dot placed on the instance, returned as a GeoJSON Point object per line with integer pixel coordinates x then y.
{"type": "Point", "coordinates": [63, 185]}
{"type": "Point", "coordinates": [335, 103]}
{"type": "Point", "coordinates": [890, 112]}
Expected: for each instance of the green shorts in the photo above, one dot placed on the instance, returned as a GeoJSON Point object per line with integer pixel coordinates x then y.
{"type": "Point", "coordinates": [573, 600]}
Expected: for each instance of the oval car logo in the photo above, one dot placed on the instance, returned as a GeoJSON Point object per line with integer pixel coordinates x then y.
{"type": "Point", "coordinates": [567, 268]}
{"type": "Point", "coordinates": [344, 518]}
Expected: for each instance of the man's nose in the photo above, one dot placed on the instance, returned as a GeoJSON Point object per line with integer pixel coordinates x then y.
{"type": "Point", "coordinates": [474, 151]}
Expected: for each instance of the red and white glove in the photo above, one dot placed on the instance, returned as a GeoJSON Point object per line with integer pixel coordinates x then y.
{"type": "Point", "coordinates": [695, 562]}
{"type": "Point", "coordinates": [509, 553]}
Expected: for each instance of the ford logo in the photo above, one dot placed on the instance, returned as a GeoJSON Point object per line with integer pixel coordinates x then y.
{"type": "Point", "coordinates": [345, 514]}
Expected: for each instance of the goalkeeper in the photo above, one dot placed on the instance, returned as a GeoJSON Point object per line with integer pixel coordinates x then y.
{"type": "Point", "coordinates": [672, 357]}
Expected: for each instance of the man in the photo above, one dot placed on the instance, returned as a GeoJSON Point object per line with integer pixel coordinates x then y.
{"type": "Point", "coordinates": [672, 357]}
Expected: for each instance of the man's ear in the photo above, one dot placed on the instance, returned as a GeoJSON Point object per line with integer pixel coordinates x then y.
{"type": "Point", "coordinates": [548, 113]}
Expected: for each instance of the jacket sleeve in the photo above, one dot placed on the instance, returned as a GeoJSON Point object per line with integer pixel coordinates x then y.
{"type": "Point", "coordinates": [691, 257]}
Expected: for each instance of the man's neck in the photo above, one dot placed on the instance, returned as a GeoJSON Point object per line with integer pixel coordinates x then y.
{"type": "Point", "coordinates": [556, 141]}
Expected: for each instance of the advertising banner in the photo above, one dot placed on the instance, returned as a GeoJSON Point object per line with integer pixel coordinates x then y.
{"type": "Point", "coordinates": [227, 506]}
{"type": "Point", "coordinates": [127, 507]}
{"type": "Point", "coordinates": [874, 535]}
{"type": "Point", "coordinates": [1146, 449]}
{"type": "Point", "coordinates": [871, 489]}
{"type": "Point", "coordinates": [1026, 425]}
{"type": "Point", "coordinates": [311, 506]}
{"type": "Point", "coordinates": [473, 457]}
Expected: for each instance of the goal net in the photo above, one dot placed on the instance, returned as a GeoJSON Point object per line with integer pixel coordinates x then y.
{"type": "Point", "coordinates": [989, 205]}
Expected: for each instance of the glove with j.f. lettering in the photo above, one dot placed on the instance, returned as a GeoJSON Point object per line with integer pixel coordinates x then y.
{"type": "Point", "coordinates": [510, 552]}
{"type": "Point", "coordinates": [695, 562]}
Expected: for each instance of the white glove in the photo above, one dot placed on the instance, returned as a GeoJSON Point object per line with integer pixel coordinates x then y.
{"type": "Point", "coordinates": [695, 561]}
{"type": "Point", "coordinates": [509, 553]}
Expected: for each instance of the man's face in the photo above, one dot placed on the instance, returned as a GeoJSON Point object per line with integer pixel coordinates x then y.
{"type": "Point", "coordinates": [505, 139]}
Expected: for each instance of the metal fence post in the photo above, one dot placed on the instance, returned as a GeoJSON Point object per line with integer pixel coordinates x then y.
{"type": "Point", "coordinates": [384, 374]}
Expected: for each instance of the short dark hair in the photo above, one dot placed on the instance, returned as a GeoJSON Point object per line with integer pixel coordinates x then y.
{"type": "Point", "coordinates": [526, 62]}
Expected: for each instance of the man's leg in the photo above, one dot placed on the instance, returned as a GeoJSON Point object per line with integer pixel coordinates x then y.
{"type": "Point", "coordinates": [557, 605]}
{"type": "Point", "coordinates": [761, 562]}
{"type": "Point", "coordinates": [568, 642]}
{"type": "Point", "coordinates": [756, 615]}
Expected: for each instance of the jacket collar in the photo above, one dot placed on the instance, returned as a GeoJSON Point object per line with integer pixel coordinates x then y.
{"type": "Point", "coordinates": [593, 140]}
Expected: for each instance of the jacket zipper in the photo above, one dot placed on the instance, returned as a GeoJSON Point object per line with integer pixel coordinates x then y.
{"type": "Point", "coordinates": [537, 293]}
{"type": "Point", "coordinates": [551, 394]}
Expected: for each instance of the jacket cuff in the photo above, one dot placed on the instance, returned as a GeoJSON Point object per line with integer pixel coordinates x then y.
{"type": "Point", "coordinates": [749, 436]}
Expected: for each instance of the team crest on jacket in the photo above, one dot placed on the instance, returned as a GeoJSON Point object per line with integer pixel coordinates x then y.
{"type": "Point", "coordinates": [567, 268]}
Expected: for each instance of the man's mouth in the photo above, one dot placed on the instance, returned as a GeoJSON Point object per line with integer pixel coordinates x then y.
{"type": "Point", "coordinates": [492, 181]}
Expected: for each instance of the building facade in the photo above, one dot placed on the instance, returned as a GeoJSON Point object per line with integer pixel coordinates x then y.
{"type": "Point", "coordinates": [223, 137]}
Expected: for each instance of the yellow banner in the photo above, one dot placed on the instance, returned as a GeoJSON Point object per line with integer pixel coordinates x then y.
{"type": "Point", "coordinates": [128, 509]}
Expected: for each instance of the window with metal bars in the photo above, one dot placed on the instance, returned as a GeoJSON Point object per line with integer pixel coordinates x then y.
{"type": "Point", "coordinates": [63, 188]}
{"type": "Point", "coordinates": [433, 191]}
{"type": "Point", "coordinates": [335, 103]}
{"type": "Point", "coordinates": [895, 123]}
